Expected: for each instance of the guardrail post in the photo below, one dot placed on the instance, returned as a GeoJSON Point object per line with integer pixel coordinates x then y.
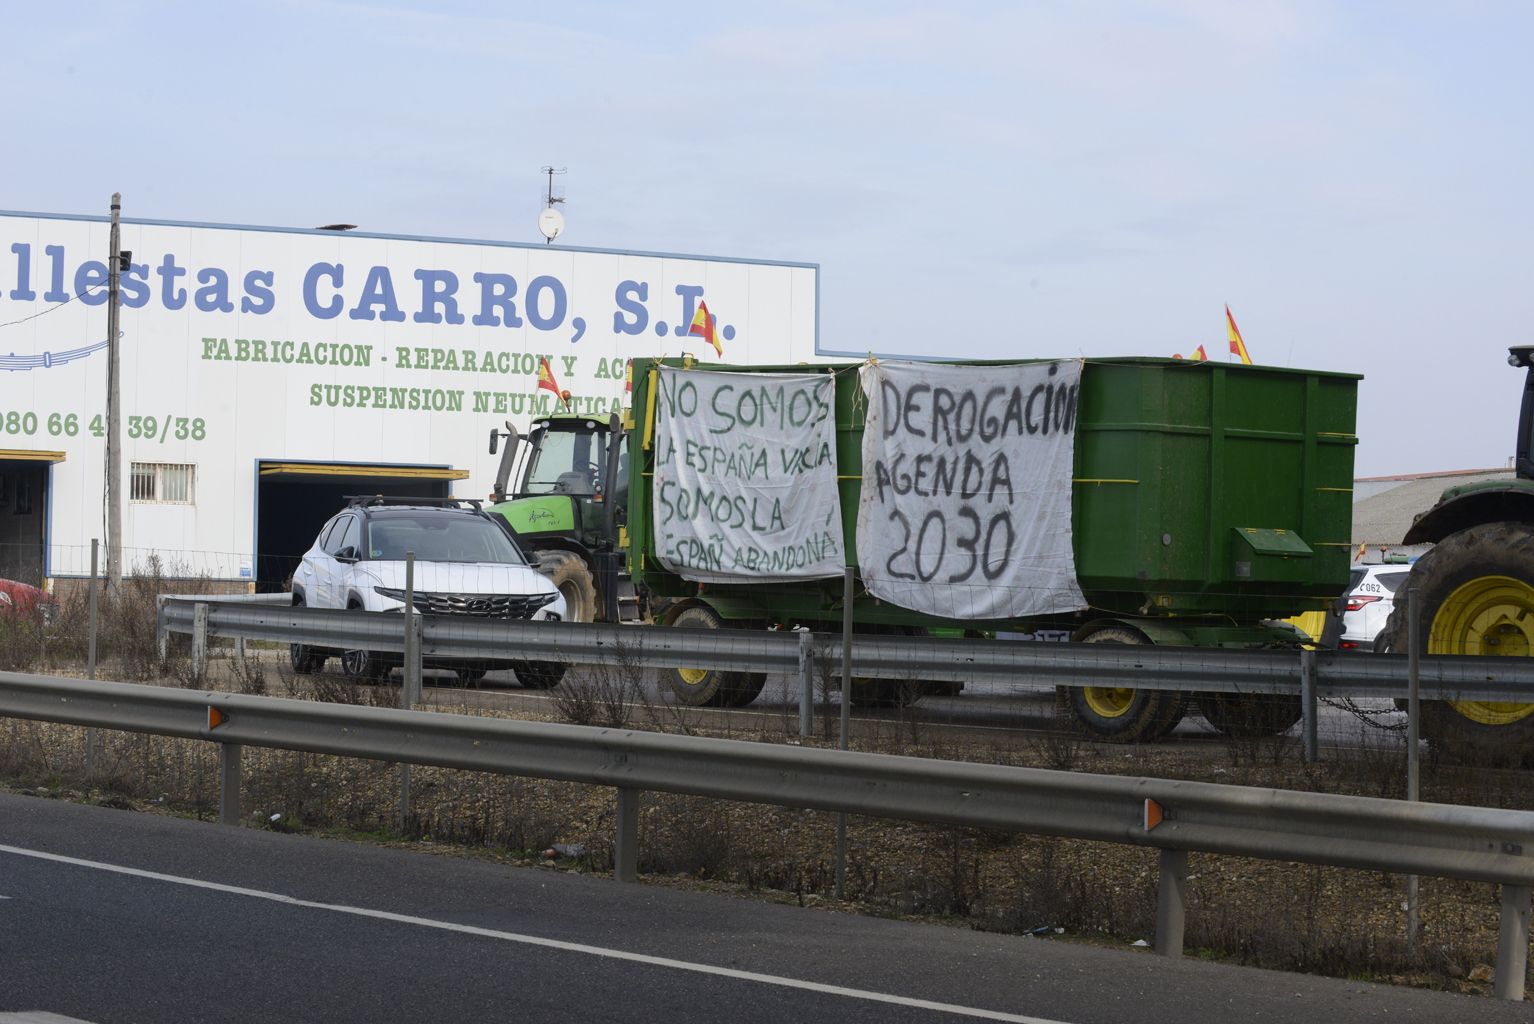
{"type": "Point", "coordinates": [229, 783]}
{"type": "Point", "coordinates": [846, 712]}
{"type": "Point", "coordinates": [1308, 705]}
{"type": "Point", "coordinates": [91, 739]}
{"type": "Point", "coordinates": [626, 844]}
{"type": "Point", "coordinates": [410, 684]}
{"type": "Point", "coordinates": [162, 629]}
{"type": "Point", "coordinates": [199, 640]}
{"type": "Point", "coordinates": [806, 684]}
{"type": "Point", "coordinates": [410, 679]}
{"type": "Point", "coordinates": [1171, 901]}
{"type": "Point", "coordinates": [1513, 943]}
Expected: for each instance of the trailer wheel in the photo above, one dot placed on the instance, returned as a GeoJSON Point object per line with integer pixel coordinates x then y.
{"type": "Point", "coordinates": [889, 693]}
{"type": "Point", "coordinates": [304, 659]}
{"type": "Point", "coordinates": [538, 675]}
{"type": "Point", "coordinates": [1475, 595]}
{"type": "Point", "coordinates": [710, 687]}
{"type": "Point", "coordinates": [570, 573]}
{"type": "Point", "coordinates": [1250, 715]}
{"type": "Point", "coordinates": [1118, 714]}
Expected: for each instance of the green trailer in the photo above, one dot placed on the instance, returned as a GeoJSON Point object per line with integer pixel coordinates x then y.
{"type": "Point", "coordinates": [1208, 500]}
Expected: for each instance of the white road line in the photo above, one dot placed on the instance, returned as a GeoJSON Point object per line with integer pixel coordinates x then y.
{"type": "Point", "coordinates": [533, 940]}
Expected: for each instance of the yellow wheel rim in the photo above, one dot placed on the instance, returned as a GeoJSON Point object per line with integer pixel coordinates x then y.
{"type": "Point", "coordinates": [692, 676]}
{"type": "Point", "coordinates": [1107, 701]}
{"type": "Point", "coordinates": [1493, 616]}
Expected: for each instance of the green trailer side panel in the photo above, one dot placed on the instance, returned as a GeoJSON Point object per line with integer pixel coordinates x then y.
{"type": "Point", "coordinates": [1177, 463]}
{"type": "Point", "coordinates": [1172, 456]}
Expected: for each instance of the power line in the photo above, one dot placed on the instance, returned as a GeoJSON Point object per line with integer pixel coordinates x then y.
{"type": "Point", "coordinates": [50, 309]}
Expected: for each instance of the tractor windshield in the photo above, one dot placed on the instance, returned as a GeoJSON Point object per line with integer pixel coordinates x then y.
{"type": "Point", "coordinates": [565, 460]}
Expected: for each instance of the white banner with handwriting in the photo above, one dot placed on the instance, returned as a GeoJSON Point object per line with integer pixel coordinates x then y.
{"type": "Point", "coordinates": [966, 505]}
{"type": "Point", "coordinates": [745, 476]}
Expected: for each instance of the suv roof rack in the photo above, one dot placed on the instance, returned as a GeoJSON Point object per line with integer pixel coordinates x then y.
{"type": "Point", "coordinates": [365, 500]}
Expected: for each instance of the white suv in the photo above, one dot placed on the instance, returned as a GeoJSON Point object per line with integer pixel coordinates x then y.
{"type": "Point", "coordinates": [1368, 602]}
{"type": "Point", "coordinates": [466, 563]}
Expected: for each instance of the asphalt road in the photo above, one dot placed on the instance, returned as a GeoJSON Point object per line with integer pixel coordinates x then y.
{"type": "Point", "coordinates": [111, 916]}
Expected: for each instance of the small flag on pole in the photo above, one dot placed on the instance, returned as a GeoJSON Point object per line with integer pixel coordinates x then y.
{"type": "Point", "coordinates": [1198, 356]}
{"type": "Point", "coordinates": [1237, 346]}
{"type": "Point", "coordinates": [547, 382]}
{"type": "Point", "coordinates": [703, 327]}
{"type": "Point", "coordinates": [628, 377]}
{"type": "Point", "coordinates": [1362, 550]}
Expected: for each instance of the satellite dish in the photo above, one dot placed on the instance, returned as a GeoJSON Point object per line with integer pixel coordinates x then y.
{"type": "Point", "coordinates": [551, 222]}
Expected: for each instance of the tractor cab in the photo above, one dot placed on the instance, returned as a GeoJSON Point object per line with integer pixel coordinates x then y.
{"type": "Point", "coordinates": [570, 478]}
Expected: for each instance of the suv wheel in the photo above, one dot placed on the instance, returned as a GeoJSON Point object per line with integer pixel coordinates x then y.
{"type": "Point", "coordinates": [363, 666]}
{"type": "Point", "coordinates": [304, 659]}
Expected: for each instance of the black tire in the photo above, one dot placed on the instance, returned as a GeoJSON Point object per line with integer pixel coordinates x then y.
{"type": "Point", "coordinates": [710, 688]}
{"type": "Point", "coordinates": [886, 693]}
{"type": "Point", "coordinates": [893, 693]}
{"type": "Point", "coordinates": [1382, 646]}
{"type": "Point", "coordinates": [304, 659]}
{"type": "Point", "coordinates": [1115, 714]}
{"type": "Point", "coordinates": [570, 573]}
{"type": "Point", "coordinates": [538, 675]}
{"type": "Point", "coordinates": [1174, 706]}
{"type": "Point", "coordinates": [1475, 593]}
{"type": "Point", "coordinates": [1250, 715]}
{"type": "Point", "coordinates": [363, 666]}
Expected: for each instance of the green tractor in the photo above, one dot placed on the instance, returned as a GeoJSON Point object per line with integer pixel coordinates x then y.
{"type": "Point", "coordinates": [568, 508]}
{"type": "Point", "coordinates": [1475, 595]}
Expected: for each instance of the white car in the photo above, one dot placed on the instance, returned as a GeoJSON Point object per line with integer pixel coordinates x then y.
{"type": "Point", "coordinates": [1369, 600]}
{"type": "Point", "coordinates": [466, 563]}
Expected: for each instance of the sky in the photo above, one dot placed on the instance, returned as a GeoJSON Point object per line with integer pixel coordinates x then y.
{"type": "Point", "coordinates": [988, 180]}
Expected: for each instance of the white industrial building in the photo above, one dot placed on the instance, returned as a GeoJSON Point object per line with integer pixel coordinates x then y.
{"type": "Point", "coordinates": [268, 372]}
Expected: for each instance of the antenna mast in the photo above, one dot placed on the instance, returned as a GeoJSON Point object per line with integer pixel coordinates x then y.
{"type": "Point", "coordinates": [550, 221]}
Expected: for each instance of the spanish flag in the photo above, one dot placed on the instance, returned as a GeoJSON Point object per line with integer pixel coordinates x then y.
{"type": "Point", "coordinates": [547, 382]}
{"type": "Point", "coordinates": [1198, 356]}
{"type": "Point", "coordinates": [1237, 346]}
{"type": "Point", "coordinates": [628, 377]}
{"type": "Point", "coordinates": [703, 327]}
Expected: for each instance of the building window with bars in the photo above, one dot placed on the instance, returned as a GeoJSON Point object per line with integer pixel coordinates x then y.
{"type": "Point", "coordinates": [163, 482]}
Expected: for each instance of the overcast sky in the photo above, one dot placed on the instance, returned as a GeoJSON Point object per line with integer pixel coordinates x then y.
{"type": "Point", "coordinates": [978, 179]}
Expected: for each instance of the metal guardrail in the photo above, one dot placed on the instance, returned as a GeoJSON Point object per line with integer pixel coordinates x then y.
{"type": "Point", "coordinates": [1474, 844]}
{"type": "Point", "coordinates": [1204, 670]}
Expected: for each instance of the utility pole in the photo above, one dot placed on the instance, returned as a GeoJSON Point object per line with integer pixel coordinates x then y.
{"type": "Point", "coordinates": [114, 416]}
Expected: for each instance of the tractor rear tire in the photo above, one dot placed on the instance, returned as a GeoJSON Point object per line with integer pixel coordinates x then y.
{"type": "Point", "coordinates": [1475, 595]}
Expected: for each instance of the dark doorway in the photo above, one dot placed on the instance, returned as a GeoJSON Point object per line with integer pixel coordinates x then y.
{"type": "Point", "coordinates": [292, 504]}
{"type": "Point", "coordinates": [23, 519]}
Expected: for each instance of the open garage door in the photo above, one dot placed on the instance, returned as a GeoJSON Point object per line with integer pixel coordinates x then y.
{"type": "Point", "coordinates": [293, 500]}
{"type": "Point", "coordinates": [24, 495]}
